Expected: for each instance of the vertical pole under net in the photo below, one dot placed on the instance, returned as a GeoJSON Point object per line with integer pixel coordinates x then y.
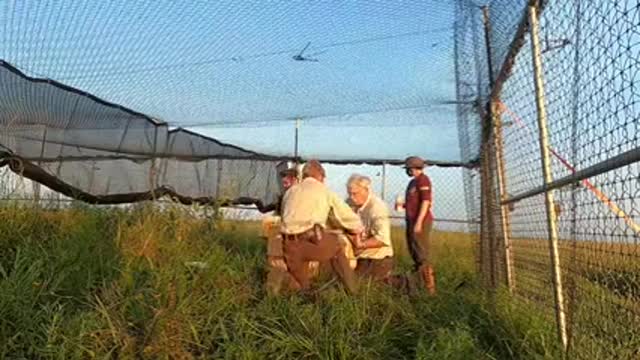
{"type": "Point", "coordinates": [488, 201]}
{"type": "Point", "coordinates": [548, 179]}
{"type": "Point", "coordinates": [296, 150]}
{"type": "Point", "coordinates": [498, 146]}
{"type": "Point", "coordinates": [35, 186]}
{"type": "Point", "coordinates": [383, 190]}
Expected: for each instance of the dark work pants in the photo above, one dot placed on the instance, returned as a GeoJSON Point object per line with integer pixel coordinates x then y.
{"type": "Point", "coordinates": [419, 245]}
{"type": "Point", "coordinates": [376, 269]}
{"type": "Point", "coordinates": [304, 248]}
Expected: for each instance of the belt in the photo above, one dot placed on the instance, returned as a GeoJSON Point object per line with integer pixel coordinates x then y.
{"type": "Point", "coordinates": [303, 236]}
{"type": "Point", "coordinates": [370, 259]}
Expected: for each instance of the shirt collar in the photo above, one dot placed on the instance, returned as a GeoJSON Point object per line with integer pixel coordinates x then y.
{"type": "Point", "coordinates": [311, 179]}
{"type": "Point", "coordinates": [365, 203]}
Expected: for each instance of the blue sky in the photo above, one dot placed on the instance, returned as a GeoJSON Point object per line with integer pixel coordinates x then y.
{"type": "Point", "coordinates": [384, 67]}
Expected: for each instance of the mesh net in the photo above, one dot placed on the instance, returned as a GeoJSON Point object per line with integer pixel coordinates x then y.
{"type": "Point", "coordinates": [341, 82]}
{"type": "Point", "coordinates": [589, 55]}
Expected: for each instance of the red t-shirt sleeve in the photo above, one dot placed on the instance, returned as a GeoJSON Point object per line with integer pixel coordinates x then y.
{"type": "Point", "coordinates": [424, 188]}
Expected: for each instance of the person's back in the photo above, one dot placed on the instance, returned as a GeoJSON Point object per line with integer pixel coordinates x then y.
{"type": "Point", "coordinates": [307, 207]}
{"type": "Point", "coordinates": [307, 204]}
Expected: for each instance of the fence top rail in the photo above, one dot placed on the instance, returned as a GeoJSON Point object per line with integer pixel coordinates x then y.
{"type": "Point", "coordinates": [616, 162]}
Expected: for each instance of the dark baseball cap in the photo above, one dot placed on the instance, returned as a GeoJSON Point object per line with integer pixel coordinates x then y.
{"type": "Point", "coordinates": [414, 162]}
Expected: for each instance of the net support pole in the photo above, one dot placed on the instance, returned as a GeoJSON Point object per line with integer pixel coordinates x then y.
{"type": "Point", "coordinates": [485, 263]}
{"type": "Point", "coordinates": [488, 238]}
{"type": "Point", "coordinates": [487, 243]}
{"type": "Point", "coordinates": [498, 147]}
{"type": "Point", "coordinates": [548, 178]}
{"type": "Point", "coordinates": [35, 186]}
{"type": "Point", "coordinates": [505, 220]}
{"type": "Point", "coordinates": [296, 141]}
{"type": "Point", "coordinates": [152, 166]}
{"type": "Point", "coordinates": [383, 190]}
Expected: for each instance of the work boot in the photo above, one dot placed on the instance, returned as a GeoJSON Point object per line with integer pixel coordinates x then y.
{"type": "Point", "coordinates": [429, 278]}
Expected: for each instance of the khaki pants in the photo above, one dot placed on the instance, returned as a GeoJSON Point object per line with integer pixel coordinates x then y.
{"type": "Point", "coordinates": [419, 245]}
{"type": "Point", "coordinates": [376, 269]}
{"type": "Point", "coordinates": [305, 247]}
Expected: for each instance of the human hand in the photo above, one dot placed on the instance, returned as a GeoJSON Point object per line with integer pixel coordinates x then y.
{"type": "Point", "coordinates": [417, 228]}
{"type": "Point", "coordinates": [278, 263]}
{"type": "Point", "coordinates": [399, 205]}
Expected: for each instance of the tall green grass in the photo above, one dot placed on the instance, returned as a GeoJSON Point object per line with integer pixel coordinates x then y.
{"type": "Point", "coordinates": [111, 284]}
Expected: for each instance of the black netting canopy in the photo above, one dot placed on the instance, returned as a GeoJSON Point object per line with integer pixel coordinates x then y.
{"type": "Point", "coordinates": [96, 97]}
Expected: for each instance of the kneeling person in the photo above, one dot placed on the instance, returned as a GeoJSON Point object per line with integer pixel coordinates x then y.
{"type": "Point", "coordinates": [374, 251]}
{"type": "Point", "coordinates": [278, 278]}
{"type": "Point", "coordinates": [307, 208]}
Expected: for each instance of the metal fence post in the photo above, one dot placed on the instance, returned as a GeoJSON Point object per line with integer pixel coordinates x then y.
{"type": "Point", "coordinates": [152, 166]}
{"type": "Point", "coordinates": [383, 190]}
{"type": "Point", "coordinates": [548, 178]}
{"type": "Point", "coordinates": [505, 219]}
{"type": "Point", "coordinates": [487, 233]}
{"type": "Point", "coordinates": [488, 236]}
{"type": "Point", "coordinates": [498, 145]}
{"type": "Point", "coordinates": [296, 143]}
{"type": "Point", "coordinates": [35, 186]}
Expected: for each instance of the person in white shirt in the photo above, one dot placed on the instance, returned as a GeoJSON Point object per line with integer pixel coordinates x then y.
{"type": "Point", "coordinates": [374, 251]}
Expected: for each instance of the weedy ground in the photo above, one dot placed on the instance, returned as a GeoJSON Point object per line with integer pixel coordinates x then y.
{"type": "Point", "coordinates": [85, 282]}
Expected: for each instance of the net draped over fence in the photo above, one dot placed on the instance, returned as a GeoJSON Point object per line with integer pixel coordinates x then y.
{"type": "Point", "coordinates": [536, 103]}
{"type": "Point", "coordinates": [559, 185]}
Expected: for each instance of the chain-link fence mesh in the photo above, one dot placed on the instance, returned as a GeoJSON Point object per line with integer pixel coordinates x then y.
{"type": "Point", "coordinates": [589, 52]}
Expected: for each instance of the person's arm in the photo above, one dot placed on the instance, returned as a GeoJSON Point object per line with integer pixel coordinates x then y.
{"type": "Point", "coordinates": [424, 189]}
{"type": "Point", "coordinates": [275, 206]}
{"type": "Point", "coordinates": [344, 215]}
{"type": "Point", "coordinates": [380, 232]}
{"type": "Point", "coordinates": [268, 208]}
{"type": "Point", "coordinates": [371, 243]}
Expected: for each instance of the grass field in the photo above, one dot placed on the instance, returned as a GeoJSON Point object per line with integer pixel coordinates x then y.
{"type": "Point", "coordinates": [111, 284]}
{"type": "Point", "coordinates": [601, 289]}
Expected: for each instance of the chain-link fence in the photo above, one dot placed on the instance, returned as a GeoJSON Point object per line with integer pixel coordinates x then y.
{"type": "Point", "coordinates": [559, 189]}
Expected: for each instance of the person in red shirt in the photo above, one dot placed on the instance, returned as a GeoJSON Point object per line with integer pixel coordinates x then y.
{"type": "Point", "coordinates": [419, 220]}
